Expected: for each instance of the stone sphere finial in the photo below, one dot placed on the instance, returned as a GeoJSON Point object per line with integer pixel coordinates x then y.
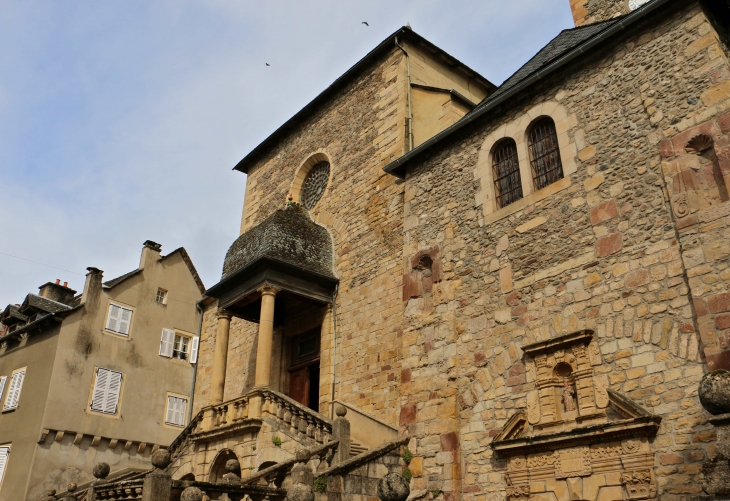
{"type": "Point", "coordinates": [50, 495]}
{"type": "Point", "coordinates": [101, 470]}
{"type": "Point", "coordinates": [393, 487]}
{"type": "Point", "coordinates": [233, 466]}
{"type": "Point", "coordinates": [191, 494]}
{"type": "Point", "coordinates": [161, 459]}
{"type": "Point", "coordinates": [341, 411]}
{"type": "Point", "coordinates": [71, 487]}
{"type": "Point", "coordinates": [714, 392]}
{"type": "Point", "coordinates": [302, 455]}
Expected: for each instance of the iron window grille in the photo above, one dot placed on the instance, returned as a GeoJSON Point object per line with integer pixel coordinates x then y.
{"type": "Point", "coordinates": [506, 166]}
{"type": "Point", "coordinates": [545, 154]}
{"type": "Point", "coordinates": [314, 184]}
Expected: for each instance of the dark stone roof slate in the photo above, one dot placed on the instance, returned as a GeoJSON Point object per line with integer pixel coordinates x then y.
{"type": "Point", "coordinates": [289, 235]}
{"type": "Point", "coordinates": [566, 41]}
{"type": "Point", "coordinates": [43, 304]}
{"type": "Point", "coordinates": [12, 311]}
{"type": "Point", "coordinates": [115, 281]}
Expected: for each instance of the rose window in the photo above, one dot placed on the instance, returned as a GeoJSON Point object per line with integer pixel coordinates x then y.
{"type": "Point", "coordinates": [314, 184]}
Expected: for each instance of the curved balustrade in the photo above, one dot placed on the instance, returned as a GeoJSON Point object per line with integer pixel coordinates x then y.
{"type": "Point", "coordinates": [119, 491]}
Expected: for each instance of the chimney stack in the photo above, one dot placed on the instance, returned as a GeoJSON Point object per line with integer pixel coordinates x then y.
{"type": "Point", "coordinates": [57, 292]}
{"type": "Point", "coordinates": [92, 287]}
{"type": "Point", "coordinates": [150, 253]}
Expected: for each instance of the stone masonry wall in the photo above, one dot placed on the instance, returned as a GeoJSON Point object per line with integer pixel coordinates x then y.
{"type": "Point", "coordinates": [592, 11]}
{"type": "Point", "coordinates": [360, 130]}
{"type": "Point", "coordinates": [603, 253]}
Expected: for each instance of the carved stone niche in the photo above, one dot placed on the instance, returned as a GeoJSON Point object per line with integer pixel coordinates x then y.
{"type": "Point", "coordinates": [577, 439]}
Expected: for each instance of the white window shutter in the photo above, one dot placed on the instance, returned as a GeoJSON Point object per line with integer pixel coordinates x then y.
{"type": "Point", "coordinates": [16, 383]}
{"type": "Point", "coordinates": [124, 321]}
{"type": "Point", "coordinates": [4, 455]}
{"type": "Point", "coordinates": [167, 342]}
{"type": "Point", "coordinates": [112, 322]}
{"type": "Point", "coordinates": [100, 386]}
{"type": "Point", "coordinates": [106, 391]}
{"type": "Point", "coordinates": [194, 350]}
{"type": "Point", "coordinates": [169, 419]}
{"type": "Point", "coordinates": [182, 410]}
{"type": "Point", "coordinates": [3, 379]}
{"type": "Point", "coordinates": [112, 396]}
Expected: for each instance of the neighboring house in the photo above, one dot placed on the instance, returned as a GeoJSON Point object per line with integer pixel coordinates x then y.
{"type": "Point", "coordinates": [106, 375]}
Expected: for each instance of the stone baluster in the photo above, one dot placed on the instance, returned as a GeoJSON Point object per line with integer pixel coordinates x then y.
{"type": "Point", "coordinates": [282, 410]}
{"type": "Point", "coordinates": [293, 423]}
{"type": "Point", "coordinates": [310, 426]}
{"type": "Point", "coordinates": [224, 415]}
{"type": "Point", "coordinates": [236, 411]}
{"type": "Point", "coordinates": [302, 423]}
{"type": "Point", "coordinates": [267, 403]}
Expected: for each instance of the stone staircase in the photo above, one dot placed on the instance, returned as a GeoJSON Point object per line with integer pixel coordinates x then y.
{"type": "Point", "coordinates": [357, 448]}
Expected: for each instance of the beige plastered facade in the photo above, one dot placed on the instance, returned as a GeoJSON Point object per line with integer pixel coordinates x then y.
{"type": "Point", "coordinates": [55, 438]}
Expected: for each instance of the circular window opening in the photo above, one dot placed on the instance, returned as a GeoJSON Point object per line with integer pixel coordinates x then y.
{"type": "Point", "coordinates": [314, 184]}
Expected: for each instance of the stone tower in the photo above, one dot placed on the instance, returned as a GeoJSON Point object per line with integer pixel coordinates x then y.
{"type": "Point", "coordinates": [594, 11]}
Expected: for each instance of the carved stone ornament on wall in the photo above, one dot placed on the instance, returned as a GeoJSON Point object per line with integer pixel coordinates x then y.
{"type": "Point", "coordinates": [680, 205]}
{"type": "Point", "coordinates": [565, 437]}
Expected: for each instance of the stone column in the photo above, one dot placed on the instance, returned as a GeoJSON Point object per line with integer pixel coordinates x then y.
{"type": "Point", "coordinates": [266, 338]}
{"type": "Point", "coordinates": [220, 358]}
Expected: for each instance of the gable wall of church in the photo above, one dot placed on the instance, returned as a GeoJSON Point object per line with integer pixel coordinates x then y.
{"type": "Point", "coordinates": [600, 250]}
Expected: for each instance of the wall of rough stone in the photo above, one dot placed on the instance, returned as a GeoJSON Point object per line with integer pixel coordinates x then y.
{"type": "Point", "coordinates": [603, 253]}
{"type": "Point", "coordinates": [592, 11]}
{"type": "Point", "coordinates": [360, 130]}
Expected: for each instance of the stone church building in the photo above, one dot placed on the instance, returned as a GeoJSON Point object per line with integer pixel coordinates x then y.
{"type": "Point", "coordinates": [522, 284]}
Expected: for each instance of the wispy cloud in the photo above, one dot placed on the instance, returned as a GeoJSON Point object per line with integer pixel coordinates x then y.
{"type": "Point", "coordinates": [121, 121]}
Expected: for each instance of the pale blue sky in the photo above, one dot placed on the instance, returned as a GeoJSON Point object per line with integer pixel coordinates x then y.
{"type": "Point", "coordinates": [120, 121]}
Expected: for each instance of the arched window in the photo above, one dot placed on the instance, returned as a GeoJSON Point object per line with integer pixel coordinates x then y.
{"type": "Point", "coordinates": [314, 184]}
{"type": "Point", "coordinates": [507, 182]}
{"type": "Point", "coordinates": [544, 153]}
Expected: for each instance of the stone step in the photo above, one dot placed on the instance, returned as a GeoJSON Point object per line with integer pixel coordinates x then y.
{"type": "Point", "coordinates": [356, 448]}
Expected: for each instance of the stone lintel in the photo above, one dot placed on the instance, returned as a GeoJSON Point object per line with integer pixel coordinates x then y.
{"type": "Point", "coordinates": [580, 337]}
{"type": "Point", "coordinates": [581, 436]}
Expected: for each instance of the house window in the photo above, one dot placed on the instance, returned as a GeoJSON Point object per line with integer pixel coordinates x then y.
{"type": "Point", "coordinates": [16, 384]}
{"type": "Point", "coordinates": [161, 296]}
{"type": "Point", "coordinates": [176, 410]}
{"type": "Point", "coordinates": [180, 346]}
{"type": "Point", "coordinates": [545, 153]}
{"type": "Point", "coordinates": [4, 456]}
{"type": "Point", "coordinates": [119, 319]}
{"type": "Point", "coordinates": [506, 167]}
{"type": "Point", "coordinates": [107, 388]}
{"type": "Point", "coordinates": [314, 184]}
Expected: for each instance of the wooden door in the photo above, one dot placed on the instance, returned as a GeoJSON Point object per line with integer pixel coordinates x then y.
{"type": "Point", "coordinates": [299, 385]}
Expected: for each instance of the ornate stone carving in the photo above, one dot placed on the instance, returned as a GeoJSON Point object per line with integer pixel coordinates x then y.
{"type": "Point", "coordinates": [531, 371]}
{"type": "Point", "coordinates": [594, 354]}
{"type": "Point", "coordinates": [575, 462]}
{"type": "Point", "coordinates": [638, 484]}
{"type": "Point", "coordinates": [606, 451]}
{"type": "Point", "coordinates": [518, 492]}
{"type": "Point", "coordinates": [600, 385]}
{"type": "Point", "coordinates": [517, 463]}
{"type": "Point", "coordinates": [568, 396]}
{"type": "Point", "coordinates": [680, 205]}
{"type": "Point", "coordinates": [533, 407]}
{"type": "Point", "coordinates": [699, 144]}
{"type": "Point", "coordinates": [631, 446]}
{"type": "Point", "coordinates": [541, 459]}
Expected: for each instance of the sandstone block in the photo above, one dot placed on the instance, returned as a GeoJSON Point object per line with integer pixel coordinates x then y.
{"type": "Point", "coordinates": [719, 302]}
{"type": "Point", "coordinates": [604, 212]}
{"type": "Point", "coordinates": [609, 244]}
{"type": "Point", "coordinates": [593, 182]}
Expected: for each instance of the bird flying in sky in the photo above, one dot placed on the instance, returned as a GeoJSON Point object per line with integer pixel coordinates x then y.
{"type": "Point", "coordinates": [365, 23]}
{"type": "Point", "coordinates": [267, 64]}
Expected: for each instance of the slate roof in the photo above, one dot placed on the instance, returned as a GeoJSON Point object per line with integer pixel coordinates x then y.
{"type": "Point", "coordinates": [288, 235]}
{"type": "Point", "coordinates": [566, 41]}
{"type": "Point", "coordinates": [345, 78]}
{"type": "Point", "coordinates": [114, 281]}
{"type": "Point", "coordinates": [43, 304]}
{"type": "Point", "coordinates": [13, 311]}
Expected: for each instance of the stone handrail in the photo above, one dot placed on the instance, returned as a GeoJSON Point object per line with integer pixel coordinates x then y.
{"type": "Point", "coordinates": [276, 470]}
{"type": "Point", "coordinates": [233, 492]}
{"type": "Point", "coordinates": [187, 431]}
{"type": "Point", "coordinates": [364, 458]}
{"type": "Point", "coordinates": [258, 403]}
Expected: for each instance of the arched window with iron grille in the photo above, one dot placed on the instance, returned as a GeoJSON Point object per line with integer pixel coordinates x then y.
{"type": "Point", "coordinates": [506, 167]}
{"type": "Point", "coordinates": [544, 153]}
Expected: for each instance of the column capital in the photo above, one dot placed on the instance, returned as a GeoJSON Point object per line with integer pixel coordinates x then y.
{"type": "Point", "coordinates": [268, 290]}
{"type": "Point", "coordinates": [224, 314]}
